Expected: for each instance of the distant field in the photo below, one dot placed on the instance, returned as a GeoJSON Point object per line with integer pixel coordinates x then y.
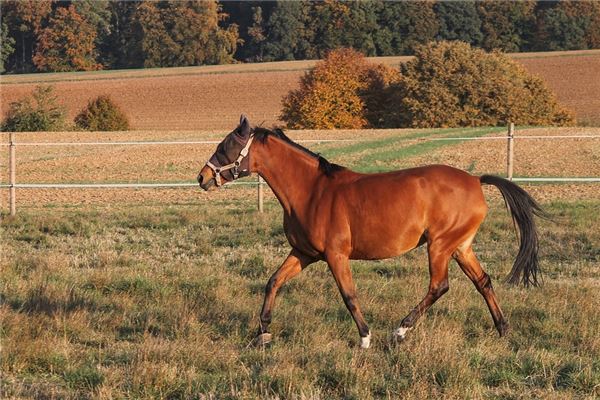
{"type": "Point", "coordinates": [212, 97]}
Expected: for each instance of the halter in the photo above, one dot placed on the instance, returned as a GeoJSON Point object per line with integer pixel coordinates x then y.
{"type": "Point", "coordinates": [234, 165]}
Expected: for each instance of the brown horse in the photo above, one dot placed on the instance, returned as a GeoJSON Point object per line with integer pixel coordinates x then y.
{"type": "Point", "coordinates": [334, 214]}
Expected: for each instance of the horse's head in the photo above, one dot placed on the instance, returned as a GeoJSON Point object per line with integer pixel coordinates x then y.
{"type": "Point", "coordinates": [230, 160]}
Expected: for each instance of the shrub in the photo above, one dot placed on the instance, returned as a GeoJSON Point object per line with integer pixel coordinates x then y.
{"type": "Point", "coordinates": [450, 84]}
{"type": "Point", "coordinates": [38, 112]}
{"type": "Point", "coordinates": [336, 92]}
{"type": "Point", "coordinates": [102, 114]}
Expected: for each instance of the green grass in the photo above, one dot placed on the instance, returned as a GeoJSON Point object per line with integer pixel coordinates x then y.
{"type": "Point", "coordinates": [163, 302]}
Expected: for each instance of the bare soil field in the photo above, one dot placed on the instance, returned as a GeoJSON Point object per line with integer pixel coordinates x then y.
{"type": "Point", "coordinates": [381, 148]}
{"type": "Point", "coordinates": [211, 97]}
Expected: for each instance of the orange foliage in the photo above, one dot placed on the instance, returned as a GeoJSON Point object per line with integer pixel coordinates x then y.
{"type": "Point", "coordinates": [67, 43]}
{"type": "Point", "coordinates": [335, 93]}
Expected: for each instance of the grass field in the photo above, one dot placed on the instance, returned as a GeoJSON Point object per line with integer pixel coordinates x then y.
{"type": "Point", "coordinates": [155, 302]}
{"type": "Point", "coordinates": [156, 294]}
{"type": "Point", "coordinates": [209, 97]}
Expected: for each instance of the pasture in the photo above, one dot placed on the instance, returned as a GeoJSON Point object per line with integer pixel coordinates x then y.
{"type": "Point", "coordinates": [209, 97]}
{"type": "Point", "coordinates": [156, 293]}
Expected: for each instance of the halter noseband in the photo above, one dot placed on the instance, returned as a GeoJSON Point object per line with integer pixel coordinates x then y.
{"type": "Point", "coordinates": [234, 165]}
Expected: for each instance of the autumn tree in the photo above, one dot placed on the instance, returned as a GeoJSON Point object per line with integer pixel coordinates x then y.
{"type": "Point", "coordinates": [24, 19]}
{"type": "Point", "coordinates": [336, 92]}
{"type": "Point", "coordinates": [67, 43]}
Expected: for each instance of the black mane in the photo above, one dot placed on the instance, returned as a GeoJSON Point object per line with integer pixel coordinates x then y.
{"type": "Point", "coordinates": [328, 168]}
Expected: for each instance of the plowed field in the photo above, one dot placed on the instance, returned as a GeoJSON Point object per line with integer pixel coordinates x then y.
{"type": "Point", "coordinates": [212, 97]}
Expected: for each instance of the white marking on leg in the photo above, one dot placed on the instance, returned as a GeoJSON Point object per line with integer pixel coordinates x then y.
{"type": "Point", "coordinates": [365, 342]}
{"type": "Point", "coordinates": [400, 333]}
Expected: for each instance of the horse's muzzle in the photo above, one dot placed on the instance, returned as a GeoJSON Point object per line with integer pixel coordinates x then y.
{"type": "Point", "coordinates": [204, 183]}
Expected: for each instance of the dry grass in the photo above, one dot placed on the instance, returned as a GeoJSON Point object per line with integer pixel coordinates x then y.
{"type": "Point", "coordinates": [162, 303]}
{"type": "Point", "coordinates": [211, 97]}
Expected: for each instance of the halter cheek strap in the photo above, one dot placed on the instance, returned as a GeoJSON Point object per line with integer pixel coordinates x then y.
{"type": "Point", "coordinates": [234, 165]}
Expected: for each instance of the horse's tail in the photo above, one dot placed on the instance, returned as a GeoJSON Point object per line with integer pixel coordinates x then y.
{"type": "Point", "coordinates": [522, 207]}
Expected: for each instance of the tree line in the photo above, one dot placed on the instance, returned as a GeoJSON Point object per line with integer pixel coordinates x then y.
{"type": "Point", "coordinates": [50, 35]}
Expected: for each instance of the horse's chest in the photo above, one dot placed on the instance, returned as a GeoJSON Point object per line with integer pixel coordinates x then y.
{"type": "Point", "coordinates": [298, 238]}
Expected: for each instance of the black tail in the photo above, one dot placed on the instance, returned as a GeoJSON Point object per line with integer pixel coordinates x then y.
{"type": "Point", "coordinates": [522, 207]}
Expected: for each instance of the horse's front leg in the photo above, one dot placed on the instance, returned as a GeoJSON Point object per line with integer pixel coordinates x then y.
{"type": "Point", "coordinates": [340, 268]}
{"type": "Point", "coordinates": [292, 266]}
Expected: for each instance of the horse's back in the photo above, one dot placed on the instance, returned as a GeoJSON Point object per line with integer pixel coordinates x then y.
{"type": "Point", "coordinates": [389, 213]}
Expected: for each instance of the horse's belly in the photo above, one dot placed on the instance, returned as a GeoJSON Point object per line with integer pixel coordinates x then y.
{"type": "Point", "coordinates": [380, 245]}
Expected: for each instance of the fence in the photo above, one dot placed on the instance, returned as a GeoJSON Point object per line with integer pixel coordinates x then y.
{"type": "Point", "coordinates": [13, 185]}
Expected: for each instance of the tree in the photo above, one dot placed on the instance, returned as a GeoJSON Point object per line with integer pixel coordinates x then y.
{"type": "Point", "coordinates": [102, 114]}
{"type": "Point", "coordinates": [506, 25]}
{"type": "Point", "coordinates": [288, 37]}
{"type": "Point", "coordinates": [7, 46]}
{"type": "Point", "coordinates": [450, 84]}
{"type": "Point", "coordinates": [336, 92]}
{"type": "Point", "coordinates": [67, 43]}
{"type": "Point", "coordinates": [179, 33]}
{"type": "Point", "coordinates": [569, 25]}
{"type": "Point", "coordinates": [257, 33]}
{"type": "Point", "coordinates": [98, 14]}
{"type": "Point", "coordinates": [38, 112]}
{"type": "Point", "coordinates": [404, 25]}
{"type": "Point", "coordinates": [24, 19]}
{"type": "Point", "coordinates": [458, 20]}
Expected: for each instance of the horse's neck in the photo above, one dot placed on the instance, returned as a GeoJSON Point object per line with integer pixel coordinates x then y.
{"type": "Point", "coordinates": [290, 172]}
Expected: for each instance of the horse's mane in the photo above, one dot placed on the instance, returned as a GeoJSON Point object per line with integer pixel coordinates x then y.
{"type": "Point", "coordinates": [328, 168]}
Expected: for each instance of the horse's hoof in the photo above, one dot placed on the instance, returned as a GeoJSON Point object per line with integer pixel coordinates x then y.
{"type": "Point", "coordinates": [365, 342]}
{"type": "Point", "coordinates": [263, 339]}
{"type": "Point", "coordinates": [503, 328]}
{"type": "Point", "coordinates": [400, 333]}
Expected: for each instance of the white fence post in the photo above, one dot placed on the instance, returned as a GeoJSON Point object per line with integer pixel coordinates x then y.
{"type": "Point", "coordinates": [12, 163]}
{"type": "Point", "coordinates": [510, 151]}
{"type": "Point", "coordinates": [260, 194]}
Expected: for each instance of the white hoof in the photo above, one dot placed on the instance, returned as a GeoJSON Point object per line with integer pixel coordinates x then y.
{"type": "Point", "coordinates": [365, 342]}
{"type": "Point", "coordinates": [263, 339]}
{"type": "Point", "coordinates": [400, 333]}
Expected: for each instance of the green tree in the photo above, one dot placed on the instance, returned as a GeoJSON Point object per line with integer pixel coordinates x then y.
{"type": "Point", "coordinates": [38, 112]}
{"type": "Point", "coordinates": [288, 37]}
{"type": "Point", "coordinates": [569, 25]}
{"type": "Point", "coordinates": [450, 84]}
{"type": "Point", "coordinates": [458, 20]}
{"type": "Point", "coordinates": [256, 32]}
{"type": "Point", "coordinates": [506, 25]}
{"type": "Point", "coordinates": [7, 44]}
{"type": "Point", "coordinates": [404, 25]}
{"type": "Point", "coordinates": [102, 114]}
{"type": "Point", "coordinates": [181, 33]}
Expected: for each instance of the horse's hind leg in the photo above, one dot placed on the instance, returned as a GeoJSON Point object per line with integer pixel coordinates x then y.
{"type": "Point", "coordinates": [438, 285]}
{"type": "Point", "coordinates": [470, 265]}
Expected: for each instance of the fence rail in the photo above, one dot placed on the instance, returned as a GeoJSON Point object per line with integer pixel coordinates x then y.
{"type": "Point", "coordinates": [13, 185]}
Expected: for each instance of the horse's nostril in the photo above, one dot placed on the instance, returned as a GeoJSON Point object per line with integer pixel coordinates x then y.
{"type": "Point", "coordinates": [200, 179]}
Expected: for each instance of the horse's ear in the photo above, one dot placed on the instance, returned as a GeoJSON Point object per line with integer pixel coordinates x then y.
{"type": "Point", "coordinates": [244, 125]}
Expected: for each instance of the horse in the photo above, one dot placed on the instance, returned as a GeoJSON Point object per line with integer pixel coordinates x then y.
{"type": "Point", "coordinates": [333, 214]}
